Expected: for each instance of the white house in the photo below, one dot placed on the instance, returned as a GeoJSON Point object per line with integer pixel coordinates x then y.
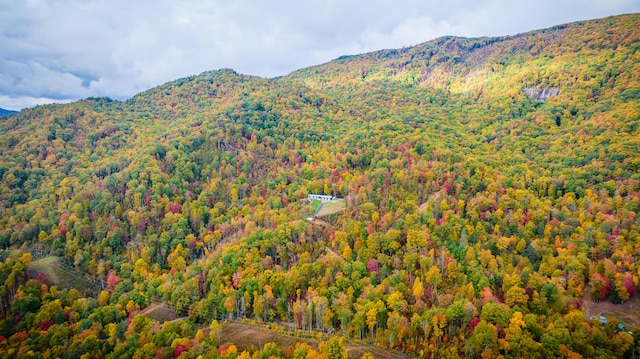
{"type": "Point", "coordinates": [323, 198]}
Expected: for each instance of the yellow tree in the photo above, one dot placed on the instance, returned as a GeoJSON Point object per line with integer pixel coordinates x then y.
{"type": "Point", "coordinates": [334, 348]}
{"type": "Point", "coordinates": [372, 319]}
{"type": "Point", "coordinates": [439, 321]}
{"type": "Point", "coordinates": [516, 296]}
{"type": "Point", "coordinates": [517, 342]}
{"type": "Point", "coordinates": [418, 289]}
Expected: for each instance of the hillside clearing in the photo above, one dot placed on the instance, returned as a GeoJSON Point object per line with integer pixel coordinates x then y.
{"type": "Point", "coordinates": [627, 313]}
{"type": "Point", "coordinates": [161, 312]}
{"type": "Point", "coordinates": [332, 207]}
{"type": "Point", "coordinates": [246, 337]}
{"type": "Point", "coordinates": [63, 276]}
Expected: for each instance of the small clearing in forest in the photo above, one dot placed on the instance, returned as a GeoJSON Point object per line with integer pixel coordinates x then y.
{"type": "Point", "coordinates": [245, 336]}
{"type": "Point", "coordinates": [63, 275]}
{"type": "Point", "coordinates": [627, 313]}
{"type": "Point", "coordinates": [161, 312]}
{"type": "Point", "coordinates": [329, 208]}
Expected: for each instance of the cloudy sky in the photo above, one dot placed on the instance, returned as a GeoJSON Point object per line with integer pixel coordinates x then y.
{"type": "Point", "coordinates": [64, 50]}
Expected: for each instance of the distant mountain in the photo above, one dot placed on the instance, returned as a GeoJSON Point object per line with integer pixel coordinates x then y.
{"type": "Point", "coordinates": [490, 206]}
{"type": "Point", "coordinates": [4, 112]}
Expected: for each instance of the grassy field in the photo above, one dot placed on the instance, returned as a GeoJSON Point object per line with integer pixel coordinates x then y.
{"type": "Point", "coordinates": [316, 204]}
{"type": "Point", "coordinates": [246, 337]}
{"type": "Point", "coordinates": [63, 276]}
{"type": "Point", "coordinates": [161, 312]}
{"type": "Point", "coordinates": [332, 207]}
{"type": "Point", "coordinates": [46, 266]}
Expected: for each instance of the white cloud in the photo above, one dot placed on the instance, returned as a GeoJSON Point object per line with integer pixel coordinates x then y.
{"type": "Point", "coordinates": [70, 49]}
{"type": "Point", "coordinates": [410, 32]}
{"type": "Point", "coordinates": [20, 102]}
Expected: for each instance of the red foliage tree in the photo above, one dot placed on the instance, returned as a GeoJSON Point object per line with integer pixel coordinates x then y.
{"type": "Point", "coordinates": [600, 286]}
{"type": "Point", "coordinates": [175, 208]}
{"type": "Point", "coordinates": [372, 265]}
{"type": "Point", "coordinates": [627, 282]}
{"type": "Point", "coordinates": [179, 350]}
{"type": "Point", "coordinates": [112, 279]}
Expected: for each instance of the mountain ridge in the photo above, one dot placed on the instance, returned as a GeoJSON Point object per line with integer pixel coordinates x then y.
{"type": "Point", "coordinates": [4, 112]}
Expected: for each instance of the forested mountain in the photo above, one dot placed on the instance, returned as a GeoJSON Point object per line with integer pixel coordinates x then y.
{"type": "Point", "coordinates": [492, 192]}
{"type": "Point", "coordinates": [4, 112]}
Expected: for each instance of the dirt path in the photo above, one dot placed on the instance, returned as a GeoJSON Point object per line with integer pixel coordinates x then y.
{"type": "Point", "coordinates": [422, 207]}
{"type": "Point", "coordinates": [334, 253]}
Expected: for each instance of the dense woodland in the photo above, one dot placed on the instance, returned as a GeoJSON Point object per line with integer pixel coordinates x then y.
{"type": "Point", "coordinates": [478, 220]}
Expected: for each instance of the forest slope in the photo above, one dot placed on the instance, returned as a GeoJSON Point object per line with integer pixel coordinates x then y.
{"type": "Point", "coordinates": [192, 193]}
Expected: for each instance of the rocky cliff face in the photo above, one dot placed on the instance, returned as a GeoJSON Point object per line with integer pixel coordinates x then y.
{"type": "Point", "coordinates": [540, 93]}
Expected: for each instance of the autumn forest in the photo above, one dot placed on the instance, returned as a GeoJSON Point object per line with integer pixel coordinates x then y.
{"type": "Point", "coordinates": [488, 201]}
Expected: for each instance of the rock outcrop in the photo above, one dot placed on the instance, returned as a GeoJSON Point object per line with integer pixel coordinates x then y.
{"type": "Point", "coordinates": [540, 93]}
